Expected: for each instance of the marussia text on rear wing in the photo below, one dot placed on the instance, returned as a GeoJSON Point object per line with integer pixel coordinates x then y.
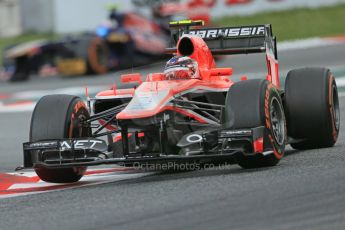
{"type": "Point", "coordinates": [227, 40]}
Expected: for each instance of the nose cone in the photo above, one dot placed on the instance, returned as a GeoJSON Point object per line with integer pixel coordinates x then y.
{"type": "Point", "coordinates": [151, 98]}
{"type": "Point", "coordinates": [148, 100]}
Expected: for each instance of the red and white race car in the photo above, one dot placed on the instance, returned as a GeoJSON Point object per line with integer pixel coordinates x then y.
{"type": "Point", "coordinates": [190, 113]}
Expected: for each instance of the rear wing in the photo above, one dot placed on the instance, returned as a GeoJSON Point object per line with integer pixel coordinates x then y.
{"type": "Point", "coordinates": [227, 40]}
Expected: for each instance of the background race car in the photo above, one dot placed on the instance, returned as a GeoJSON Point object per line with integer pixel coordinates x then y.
{"type": "Point", "coordinates": [126, 39]}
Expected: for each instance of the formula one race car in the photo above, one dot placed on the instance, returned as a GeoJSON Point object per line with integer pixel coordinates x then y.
{"type": "Point", "coordinates": [127, 40]}
{"type": "Point", "coordinates": [192, 113]}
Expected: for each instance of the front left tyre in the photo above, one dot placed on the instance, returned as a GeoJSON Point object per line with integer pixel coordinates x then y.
{"type": "Point", "coordinates": [58, 117]}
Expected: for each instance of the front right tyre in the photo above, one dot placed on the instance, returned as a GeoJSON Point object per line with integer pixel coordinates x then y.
{"type": "Point", "coordinates": [255, 103]}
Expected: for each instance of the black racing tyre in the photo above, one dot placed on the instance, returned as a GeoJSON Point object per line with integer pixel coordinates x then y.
{"type": "Point", "coordinates": [254, 103]}
{"type": "Point", "coordinates": [312, 108]}
{"type": "Point", "coordinates": [22, 69]}
{"type": "Point", "coordinates": [57, 117]}
{"type": "Point", "coordinates": [98, 56]}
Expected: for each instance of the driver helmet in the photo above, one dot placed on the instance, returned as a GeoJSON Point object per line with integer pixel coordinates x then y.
{"type": "Point", "coordinates": [181, 68]}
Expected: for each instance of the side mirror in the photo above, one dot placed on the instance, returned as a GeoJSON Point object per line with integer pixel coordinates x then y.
{"type": "Point", "coordinates": [131, 78]}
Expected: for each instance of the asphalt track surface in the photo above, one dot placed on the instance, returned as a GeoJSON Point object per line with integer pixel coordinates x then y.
{"type": "Point", "coordinates": [305, 191]}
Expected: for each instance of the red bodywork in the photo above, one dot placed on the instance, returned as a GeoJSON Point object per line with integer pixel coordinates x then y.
{"type": "Point", "coordinates": [153, 95]}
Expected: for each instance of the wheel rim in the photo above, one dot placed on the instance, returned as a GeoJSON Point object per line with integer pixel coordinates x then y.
{"type": "Point", "coordinates": [97, 55]}
{"type": "Point", "coordinates": [335, 107]}
{"type": "Point", "coordinates": [277, 121]}
{"type": "Point", "coordinates": [78, 129]}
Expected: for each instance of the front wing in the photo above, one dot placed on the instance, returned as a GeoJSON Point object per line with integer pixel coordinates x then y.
{"type": "Point", "coordinates": [214, 146]}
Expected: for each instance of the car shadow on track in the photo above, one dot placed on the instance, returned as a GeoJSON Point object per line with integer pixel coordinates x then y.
{"type": "Point", "coordinates": [232, 169]}
{"type": "Point", "coordinates": [208, 172]}
{"type": "Point", "coordinates": [290, 152]}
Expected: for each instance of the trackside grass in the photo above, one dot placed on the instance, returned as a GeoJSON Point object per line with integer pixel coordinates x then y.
{"type": "Point", "coordinates": [296, 23]}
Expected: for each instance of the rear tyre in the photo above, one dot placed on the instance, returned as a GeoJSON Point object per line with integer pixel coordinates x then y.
{"type": "Point", "coordinates": [312, 108]}
{"type": "Point", "coordinates": [57, 117]}
{"type": "Point", "coordinates": [256, 103]}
